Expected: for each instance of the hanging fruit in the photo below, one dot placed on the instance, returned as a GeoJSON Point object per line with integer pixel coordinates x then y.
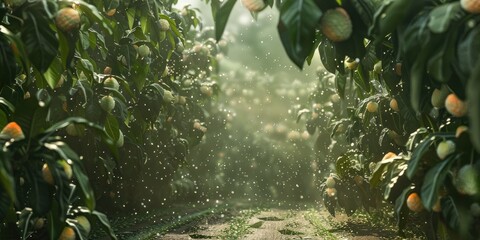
{"type": "Point", "coordinates": [336, 25]}
{"type": "Point", "coordinates": [67, 19]}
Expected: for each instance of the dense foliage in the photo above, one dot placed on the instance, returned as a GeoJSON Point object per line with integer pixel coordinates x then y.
{"type": "Point", "coordinates": [118, 93]}
{"type": "Point", "coordinates": [406, 104]}
{"type": "Point", "coordinates": [111, 92]}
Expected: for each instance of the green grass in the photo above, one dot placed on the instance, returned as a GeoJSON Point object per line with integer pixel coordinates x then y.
{"type": "Point", "coordinates": [320, 229]}
{"type": "Point", "coordinates": [239, 226]}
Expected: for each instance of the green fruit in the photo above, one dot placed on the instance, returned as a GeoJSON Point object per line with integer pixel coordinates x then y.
{"type": "Point", "coordinates": [377, 68]}
{"type": "Point", "coordinates": [336, 25]}
{"type": "Point", "coordinates": [445, 148]}
{"type": "Point", "coordinates": [351, 64]}
{"type": "Point", "coordinates": [74, 130]}
{"type": "Point", "coordinates": [206, 90]}
{"type": "Point", "coordinates": [111, 82]}
{"type": "Point", "coordinates": [330, 182]}
{"type": "Point", "coordinates": [107, 103]}
{"type": "Point", "coordinates": [39, 223]}
{"type": "Point", "coordinates": [83, 221]}
{"type": "Point", "coordinates": [164, 25]}
{"type": "Point", "coordinates": [143, 51]}
{"type": "Point", "coordinates": [168, 96]}
{"type": "Point", "coordinates": [439, 96]}
{"type": "Point", "coordinates": [66, 168]}
{"type": "Point", "coordinates": [467, 180]}
{"type": "Point", "coordinates": [120, 140]}
{"type": "Point", "coordinates": [67, 19]}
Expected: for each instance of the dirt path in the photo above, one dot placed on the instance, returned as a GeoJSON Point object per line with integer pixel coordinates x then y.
{"type": "Point", "coordinates": [281, 224]}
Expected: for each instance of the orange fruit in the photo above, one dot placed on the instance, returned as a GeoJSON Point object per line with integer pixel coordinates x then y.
{"type": "Point", "coordinates": [254, 5]}
{"type": "Point", "coordinates": [389, 155]}
{"type": "Point", "coordinates": [372, 107]}
{"type": "Point", "coordinates": [67, 19]}
{"type": "Point", "coordinates": [471, 6]}
{"type": "Point", "coordinates": [394, 105]}
{"type": "Point", "coordinates": [111, 12]}
{"type": "Point", "coordinates": [331, 192]}
{"type": "Point", "coordinates": [414, 202]}
{"type": "Point", "coordinates": [13, 131]}
{"type": "Point", "coordinates": [107, 70]}
{"type": "Point", "coordinates": [336, 25]}
{"type": "Point", "coordinates": [67, 234]}
{"type": "Point", "coordinates": [398, 69]}
{"type": "Point", "coordinates": [460, 130]}
{"type": "Point", "coordinates": [358, 180]}
{"type": "Point", "coordinates": [47, 175]}
{"type": "Point", "coordinates": [455, 106]}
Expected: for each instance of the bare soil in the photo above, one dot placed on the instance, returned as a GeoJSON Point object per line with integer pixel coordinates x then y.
{"type": "Point", "coordinates": [281, 224]}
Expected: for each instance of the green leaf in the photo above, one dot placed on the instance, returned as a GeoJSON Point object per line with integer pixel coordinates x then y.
{"type": "Point", "coordinates": [400, 204]}
{"type": "Point", "coordinates": [41, 192]}
{"type": "Point", "coordinates": [112, 128]}
{"type": "Point", "coordinates": [301, 112]}
{"type": "Point", "coordinates": [105, 223]}
{"type": "Point", "coordinates": [380, 169]}
{"type": "Point", "coordinates": [84, 183]}
{"type": "Point", "coordinates": [298, 21]}
{"type": "Point", "coordinates": [131, 17]}
{"type": "Point", "coordinates": [93, 14]}
{"type": "Point", "coordinates": [40, 40]}
{"type": "Point", "coordinates": [391, 14]}
{"type": "Point", "coordinates": [347, 165]}
{"type": "Point", "coordinates": [6, 178]}
{"type": "Point", "coordinates": [7, 62]}
{"type": "Point", "coordinates": [457, 216]}
{"type": "Point", "coordinates": [434, 179]}
{"type": "Point", "coordinates": [77, 120]}
{"type": "Point", "coordinates": [221, 17]}
{"type": "Point", "coordinates": [326, 50]}
{"type": "Point", "coordinates": [340, 84]}
{"type": "Point", "coordinates": [441, 16]}
{"type": "Point", "coordinates": [5, 203]}
{"type": "Point", "coordinates": [362, 78]}
{"type": "Point", "coordinates": [330, 203]}
{"type": "Point", "coordinates": [422, 148]}
{"type": "Point", "coordinates": [31, 117]}
{"type": "Point", "coordinates": [54, 73]}
{"type": "Point", "coordinates": [474, 105]}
